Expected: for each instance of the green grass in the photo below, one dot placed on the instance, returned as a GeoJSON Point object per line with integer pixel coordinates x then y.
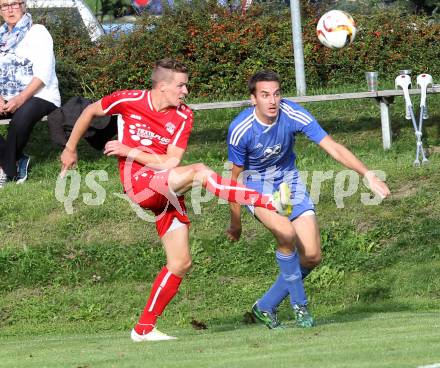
{"type": "Point", "coordinates": [72, 286]}
{"type": "Point", "coordinates": [367, 340]}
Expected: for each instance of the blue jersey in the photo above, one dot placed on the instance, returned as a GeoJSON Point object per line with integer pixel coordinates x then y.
{"type": "Point", "coordinates": [267, 151]}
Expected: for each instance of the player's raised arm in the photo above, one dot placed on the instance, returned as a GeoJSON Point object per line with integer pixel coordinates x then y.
{"type": "Point", "coordinates": [69, 156]}
{"type": "Point", "coordinates": [155, 161]}
{"type": "Point", "coordinates": [343, 155]}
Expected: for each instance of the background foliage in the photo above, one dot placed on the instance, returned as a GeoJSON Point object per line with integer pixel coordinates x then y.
{"type": "Point", "coordinates": [223, 49]}
{"type": "Point", "coordinates": [119, 8]}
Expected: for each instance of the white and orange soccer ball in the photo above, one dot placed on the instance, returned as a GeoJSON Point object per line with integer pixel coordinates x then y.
{"type": "Point", "coordinates": [336, 29]}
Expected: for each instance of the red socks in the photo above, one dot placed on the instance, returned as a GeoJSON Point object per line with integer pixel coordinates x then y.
{"type": "Point", "coordinates": [231, 191]}
{"type": "Point", "coordinates": [163, 290]}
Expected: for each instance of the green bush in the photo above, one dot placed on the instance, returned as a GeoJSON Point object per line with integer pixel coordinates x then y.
{"type": "Point", "coordinates": [223, 49]}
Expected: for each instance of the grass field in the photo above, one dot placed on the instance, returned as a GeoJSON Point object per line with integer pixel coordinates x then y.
{"type": "Point", "coordinates": [73, 285]}
{"type": "Point", "coordinates": [368, 340]}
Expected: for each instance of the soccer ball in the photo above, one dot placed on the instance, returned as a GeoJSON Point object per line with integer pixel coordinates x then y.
{"type": "Point", "coordinates": [336, 29]}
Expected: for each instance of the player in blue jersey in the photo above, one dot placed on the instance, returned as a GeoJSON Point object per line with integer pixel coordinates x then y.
{"type": "Point", "coordinates": [260, 146]}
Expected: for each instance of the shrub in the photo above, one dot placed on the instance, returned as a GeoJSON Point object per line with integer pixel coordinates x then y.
{"type": "Point", "coordinates": [223, 48]}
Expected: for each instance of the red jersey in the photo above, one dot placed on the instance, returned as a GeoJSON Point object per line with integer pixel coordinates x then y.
{"type": "Point", "coordinates": [141, 126]}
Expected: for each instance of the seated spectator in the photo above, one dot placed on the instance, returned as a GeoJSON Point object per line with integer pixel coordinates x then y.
{"type": "Point", "coordinates": [28, 85]}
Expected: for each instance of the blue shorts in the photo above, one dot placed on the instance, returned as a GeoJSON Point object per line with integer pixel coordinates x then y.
{"type": "Point", "coordinates": [300, 198]}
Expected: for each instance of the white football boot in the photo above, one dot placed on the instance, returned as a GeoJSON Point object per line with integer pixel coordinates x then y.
{"type": "Point", "coordinates": [281, 200]}
{"type": "Point", "coordinates": [153, 335]}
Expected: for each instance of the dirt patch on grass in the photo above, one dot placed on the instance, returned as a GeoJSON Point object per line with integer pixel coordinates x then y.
{"type": "Point", "coordinates": [25, 293]}
{"type": "Point", "coordinates": [433, 149]}
{"type": "Point", "coordinates": [364, 226]}
{"type": "Point", "coordinates": [124, 233]}
{"type": "Point", "coordinates": [407, 190]}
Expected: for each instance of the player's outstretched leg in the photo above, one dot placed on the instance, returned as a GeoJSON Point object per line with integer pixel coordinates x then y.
{"type": "Point", "coordinates": [232, 191]}
{"type": "Point", "coordinates": [183, 178]}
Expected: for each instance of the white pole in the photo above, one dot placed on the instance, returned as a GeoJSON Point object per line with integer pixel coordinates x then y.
{"type": "Point", "coordinates": [295, 12]}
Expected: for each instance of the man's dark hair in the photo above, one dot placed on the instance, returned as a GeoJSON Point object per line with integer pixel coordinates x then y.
{"type": "Point", "coordinates": [166, 64]}
{"type": "Point", "coordinates": [172, 64]}
{"type": "Point", "coordinates": [263, 76]}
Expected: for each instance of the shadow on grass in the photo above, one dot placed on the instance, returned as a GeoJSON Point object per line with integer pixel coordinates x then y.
{"type": "Point", "coordinates": [372, 300]}
{"type": "Point", "coordinates": [218, 134]}
{"type": "Point", "coordinates": [231, 323]}
{"type": "Point", "coordinates": [364, 310]}
{"type": "Point", "coordinates": [42, 149]}
{"type": "Point", "coordinates": [217, 131]}
{"type": "Point", "coordinates": [350, 314]}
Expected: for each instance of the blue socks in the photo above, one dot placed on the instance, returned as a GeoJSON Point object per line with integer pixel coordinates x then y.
{"type": "Point", "coordinates": [289, 282]}
{"type": "Point", "coordinates": [274, 296]}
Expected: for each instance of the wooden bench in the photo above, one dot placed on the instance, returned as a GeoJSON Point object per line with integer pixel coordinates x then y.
{"type": "Point", "coordinates": [6, 121]}
{"type": "Point", "coordinates": [385, 98]}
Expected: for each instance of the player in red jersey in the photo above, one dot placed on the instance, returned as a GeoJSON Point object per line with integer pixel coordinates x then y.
{"type": "Point", "coordinates": [153, 131]}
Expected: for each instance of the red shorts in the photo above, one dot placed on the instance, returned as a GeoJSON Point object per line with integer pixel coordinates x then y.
{"type": "Point", "coordinates": [150, 190]}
